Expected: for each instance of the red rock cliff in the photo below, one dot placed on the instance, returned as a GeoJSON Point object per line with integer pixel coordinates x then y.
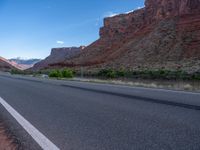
{"type": "Point", "coordinates": [163, 33]}
{"type": "Point", "coordinates": [154, 11]}
{"type": "Point", "coordinates": [58, 55]}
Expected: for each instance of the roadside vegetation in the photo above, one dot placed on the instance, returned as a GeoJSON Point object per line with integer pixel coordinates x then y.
{"type": "Point", "coordinates": [161, 74]}
{"type": "Point", "coordinates": [57, 73]}
{"type": "Point", "coordinates": [15, 71]}
{"type": "Point", "coordinates": [65, 73]}
{"type": "Point", "coordinates": [149, 74]}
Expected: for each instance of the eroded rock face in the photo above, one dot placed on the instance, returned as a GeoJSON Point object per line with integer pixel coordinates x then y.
{"type": "Point", "coordinates": [58, 55]}
{"type": "Point", "coordinates": [164, 33]}
{"type": "Point", "coordinates": [154, 12]}
{"type": "Point", "coordinates": [169, 8]}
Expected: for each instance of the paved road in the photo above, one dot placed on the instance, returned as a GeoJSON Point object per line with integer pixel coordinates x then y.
{"type": "Point", "coordinates": [86, 116]}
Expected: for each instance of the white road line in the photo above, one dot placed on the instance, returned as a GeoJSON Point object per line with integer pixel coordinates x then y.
{"type": "Point", "coordinates": [43, 141]}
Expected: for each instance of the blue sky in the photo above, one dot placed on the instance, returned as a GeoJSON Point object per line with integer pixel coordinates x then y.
{"type": "Point", "coordinates": [30, 28]}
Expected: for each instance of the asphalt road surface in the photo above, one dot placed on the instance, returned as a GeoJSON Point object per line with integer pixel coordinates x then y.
{"type": "Point", "coordinates": [88, 116]}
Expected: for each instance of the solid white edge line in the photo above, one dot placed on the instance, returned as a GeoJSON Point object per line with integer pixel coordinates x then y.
{"type": "Point", "coordinates": [42, 141]}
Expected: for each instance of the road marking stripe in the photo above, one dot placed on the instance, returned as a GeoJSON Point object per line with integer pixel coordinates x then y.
{"type": "Point", "coordinates": [43, 141]}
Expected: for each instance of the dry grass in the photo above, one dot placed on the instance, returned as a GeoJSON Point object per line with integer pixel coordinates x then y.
{"type": "Point", "coordinates": [173, 85]}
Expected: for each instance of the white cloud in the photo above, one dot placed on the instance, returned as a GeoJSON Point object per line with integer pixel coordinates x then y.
{"type": "Point", "coordinates": [60, 42]}
{"type": "Point", "coordinates": [110, 14]}
{"type": "Point", "coordinates": [133, 10]}
{"type": "Point", "coordinates": [139, 7]}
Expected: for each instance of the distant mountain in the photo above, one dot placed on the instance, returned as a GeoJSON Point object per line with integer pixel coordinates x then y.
{"type": "Point", "coordinates": [24, 63]}
{"type": "Point", "coordinates": [6, 65]}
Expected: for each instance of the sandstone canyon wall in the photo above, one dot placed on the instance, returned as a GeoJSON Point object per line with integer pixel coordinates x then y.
{"type": "Point", "coordinates": [58, 55]}
{"type": "Point", "coordinates": [165, 33]}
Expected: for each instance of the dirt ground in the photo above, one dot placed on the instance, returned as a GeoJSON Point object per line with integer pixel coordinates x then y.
{"type": "Point", "coordinates": [6, 141]}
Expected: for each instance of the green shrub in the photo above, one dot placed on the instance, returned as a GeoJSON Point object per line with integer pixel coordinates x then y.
{"type": "Point", "coordinates": [111, 74]}
{"type": "Point", "coordinates": [67, 73]}
{"type": "Point", "coordinates": [121, 73]}
{"type": "Point", "coordinates": [55, 74]}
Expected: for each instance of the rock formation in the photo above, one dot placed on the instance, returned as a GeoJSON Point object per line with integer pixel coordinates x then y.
{"type": "Point", "coordinates": [58, 55]}
{"type": "Point", "coordinates": [165, 33]}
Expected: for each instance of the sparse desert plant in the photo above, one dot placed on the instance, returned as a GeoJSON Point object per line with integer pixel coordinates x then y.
{"type": "Point", "coordinates": [187, 87]}
{"type": "Point", "coordinates": [196, 76]}
{"type": "Point", "coordinates": [107, 73]}
{"type": "Point", "coordinates": [15, 71]}
{"type": "Point", "coordinates": [121, 73]}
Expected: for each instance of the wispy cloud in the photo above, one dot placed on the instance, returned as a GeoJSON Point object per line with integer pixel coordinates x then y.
{"type": "Point", "coordinates": [133, 10]}
{"type": "Point", "coordinates": [140, 7]}
{"type": "Point", "coordinates": [60, 42]}
{"type": "Point", "coordinates": [110, 14]}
